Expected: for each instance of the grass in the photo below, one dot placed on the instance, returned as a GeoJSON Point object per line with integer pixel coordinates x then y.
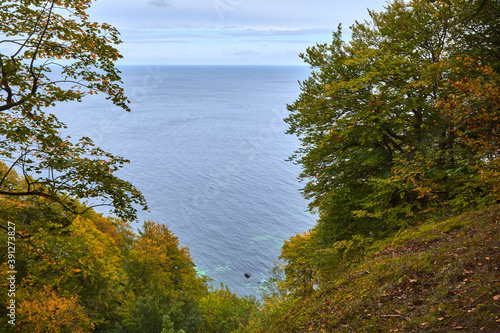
{"type": "Point", "coordinates": [442, 276]}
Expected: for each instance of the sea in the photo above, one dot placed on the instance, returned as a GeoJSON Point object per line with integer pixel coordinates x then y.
{"type": "Point", "coordinates": [208, 149]}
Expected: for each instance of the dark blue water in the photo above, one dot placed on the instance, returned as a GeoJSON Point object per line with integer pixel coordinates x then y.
{"type": "Point", "coordinates": [207, 148]}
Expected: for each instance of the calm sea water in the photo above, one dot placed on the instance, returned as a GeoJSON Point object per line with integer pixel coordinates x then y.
{"type": "Point", "coordinates": [207, 148]}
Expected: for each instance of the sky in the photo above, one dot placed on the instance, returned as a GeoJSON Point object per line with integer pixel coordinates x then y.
{"type": "Point", "coordinates": [226, 32]}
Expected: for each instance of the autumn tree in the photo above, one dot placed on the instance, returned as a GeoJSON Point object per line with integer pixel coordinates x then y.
{"type": "Point", "coordinates": [299, 268]}
{"type": "Point", "coordinates": [51, 52]}
{"type": "Point", "coordinates": [163, 281]}
{"type": "Point", "coordinates": [474, 109]}
{"type": "Point", "coordinates": [60, 270]}
{"type": "Point", "coordinates": [45, 310]}
{"type": "Point", "coordinates": [378, 151]}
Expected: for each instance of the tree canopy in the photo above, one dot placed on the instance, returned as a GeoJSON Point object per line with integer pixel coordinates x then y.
{"type": "Point", "coordinates": [51, 52]}
{"type": "Point", "coordinates": [89, 273]}
{"type": "Point", "coordinates": [391, 121]}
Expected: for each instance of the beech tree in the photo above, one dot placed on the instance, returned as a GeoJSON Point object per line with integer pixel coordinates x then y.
{"type": "Point", "coordinates": [380, 147]}
{"type": "Point", "coordinates": [51, 52]}
{"type": "Point", "coordinates": [474, 109]}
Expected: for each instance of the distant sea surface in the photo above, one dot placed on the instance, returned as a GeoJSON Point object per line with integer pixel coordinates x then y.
{"type": "Point", "coordinates": [207, 149]}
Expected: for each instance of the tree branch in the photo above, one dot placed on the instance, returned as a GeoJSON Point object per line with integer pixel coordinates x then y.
{"type": "Point", "coordinates": [39, 44]}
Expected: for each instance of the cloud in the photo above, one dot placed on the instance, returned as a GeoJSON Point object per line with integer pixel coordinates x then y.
{"type": "Point", "coordinates": [192, 32]}
{"type": "Point", "coordinates": [160, 3]}
{"type": "Point", "coordinates": [275, 32]}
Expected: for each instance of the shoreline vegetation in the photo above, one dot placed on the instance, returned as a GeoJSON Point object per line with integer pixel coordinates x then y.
{"type": "Point", "coordinates": [89, 273]}
{"type": "Point", "coordinates": [440, 276]}
{"type": "Point", "coordinates": [400, 144]}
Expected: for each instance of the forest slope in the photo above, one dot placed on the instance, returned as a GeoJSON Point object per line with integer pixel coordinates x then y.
{"type": "Point", "coordinates": [437, 277]}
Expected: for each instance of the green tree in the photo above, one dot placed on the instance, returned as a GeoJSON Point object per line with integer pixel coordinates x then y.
{"type": "Point", "coordinates": [50, 53]}
{"type": "Point", "coordinates": [224, 311]}
{"type": "Point", "coordinates": [168, 326]}
{"type": "Point", "coordinates": [475, 27]}
{"type": "Point", "coordinates": [376, 151]}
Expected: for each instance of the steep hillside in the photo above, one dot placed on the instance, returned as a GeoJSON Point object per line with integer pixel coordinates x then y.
{"type": "Point", "coordinates": [437, 277]}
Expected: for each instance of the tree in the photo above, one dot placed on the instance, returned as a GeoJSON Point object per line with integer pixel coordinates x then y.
{"type": "Point", "coordinates": [476, 28]}
{"type": "Point", "coordinates": [163, 281]}
{"type": "Point", "coordinates": [50, 52]}
{"type": "Point", "coordinates": [168, 326]}
{"type": "Point", "coordinates": [224, 311]}
{"type": "Point", "coordinates": [158, 258]}
{"type": "Point", "coordinates": [80, 262]}
{"type": "Point", "coordinates": [377, 151]}
{"type": "Point", "coordinates": [45, 311]}
{"type": "Point", "coordinates": [474, 109]}
{"type": "Point", "coordinates": [299, 268]}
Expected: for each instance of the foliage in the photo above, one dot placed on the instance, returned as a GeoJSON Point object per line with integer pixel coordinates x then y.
{"type": "Point", "coordinates": [271, 288]}
{"type": "Point", "coordinates": [340, 256]}
{"type": "Point", "coordinates": [168, 326]}
{"type": "Point", "coordinates": [51, 53]}
{"type": "Point", "coordinates": [226, 312]}
{"type": "Point", "coordinates": [163, 281]}
{"type": "Point", "coordinates": [96, 275]}
{"type": "Point", "coordinates": [88, 273]}
{"type": "Point", "coordinates": [158, 258]}
{"type": "Point", "coordinates": [378, 151]}
{"type": "Point", "coordinates": [60, 314]}
{"type": "Point", "coordinates": [299, 266]}
{"type": "Point", "coordinates": [441, 276]}
{"type": "Point", "coordinates": [308, 266]}
{"type": "Point", "coordinates": [474, 109]}
{"type": "Point", "coordinates": [398, 126]}
{"type": "Point", "coordinates": [62, 259]}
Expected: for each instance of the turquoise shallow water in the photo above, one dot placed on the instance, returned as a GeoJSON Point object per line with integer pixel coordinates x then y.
{"type": "Point", "coordinates": [207, 148]}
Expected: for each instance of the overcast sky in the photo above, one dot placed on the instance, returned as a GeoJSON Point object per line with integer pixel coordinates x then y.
{"type": "Point", "coordinates": [226, 32]}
